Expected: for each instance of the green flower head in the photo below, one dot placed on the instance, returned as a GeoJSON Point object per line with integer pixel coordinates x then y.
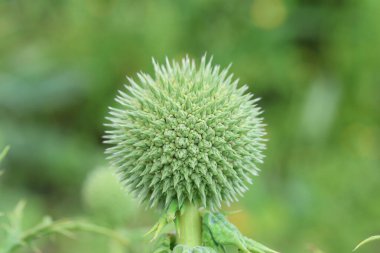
{"type": "Point", "coordinates": [188, 133]}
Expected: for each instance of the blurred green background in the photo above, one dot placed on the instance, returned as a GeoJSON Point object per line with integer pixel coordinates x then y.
{"type": "Point", "coordinates": [314, 63]}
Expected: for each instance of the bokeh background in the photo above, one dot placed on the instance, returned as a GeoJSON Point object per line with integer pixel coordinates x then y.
{"type": "Point", "coordinates": [315, 64]}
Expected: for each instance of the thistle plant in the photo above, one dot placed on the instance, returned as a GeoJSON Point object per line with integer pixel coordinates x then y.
{"type": "Point", "coordinates": [185, 141]}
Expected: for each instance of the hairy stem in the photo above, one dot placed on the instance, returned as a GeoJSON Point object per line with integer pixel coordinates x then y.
{"type": "Point", "coordinates": [190, 227]}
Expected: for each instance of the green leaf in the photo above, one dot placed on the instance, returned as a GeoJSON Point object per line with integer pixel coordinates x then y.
{"type": "Point", "coordinates": [164, 244]}
{"type": "Point", "coordinates": [223, 232]}
{"type": "Point", "coordinates": [16, 237]}
{"type": "Point", "coordinates": [168, 216]}
{"type": "Point", "coordinates": [4, 153]}
{"type": "Point", "coordinates": [257, 247]}
{"type": "Point", "coordinates": [370, 239]}
{"type": "Point", "coordinates": [187, 249]}
{"type": "Point", "coordinates": [219, 232]}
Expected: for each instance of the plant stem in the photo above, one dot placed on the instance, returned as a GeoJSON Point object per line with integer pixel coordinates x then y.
{"type": "Point", "coordinates": [190, 227]}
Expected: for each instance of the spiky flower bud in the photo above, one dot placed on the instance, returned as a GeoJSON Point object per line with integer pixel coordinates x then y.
{"type": "Point", "coordinates": [186, 134]}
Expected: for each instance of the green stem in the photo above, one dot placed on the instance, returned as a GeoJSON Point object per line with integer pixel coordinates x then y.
{"type": "Point", "coordinates": [190, 226]}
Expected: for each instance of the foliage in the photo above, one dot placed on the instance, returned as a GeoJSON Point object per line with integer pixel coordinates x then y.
{"type": "Point", "coordinates": [4, 153]}
{"type": "Point", "coordinates": [218, 233]}
{"type": "Point", "coordinates": [198, 249]}
{"type": "Point", "coordinates": [370, 239]}
{"type": "Point", "coordinates": [15, 237]}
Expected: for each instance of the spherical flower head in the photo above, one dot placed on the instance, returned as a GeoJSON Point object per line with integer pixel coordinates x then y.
{"type": "Point", "coordinates": [187, 134]}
